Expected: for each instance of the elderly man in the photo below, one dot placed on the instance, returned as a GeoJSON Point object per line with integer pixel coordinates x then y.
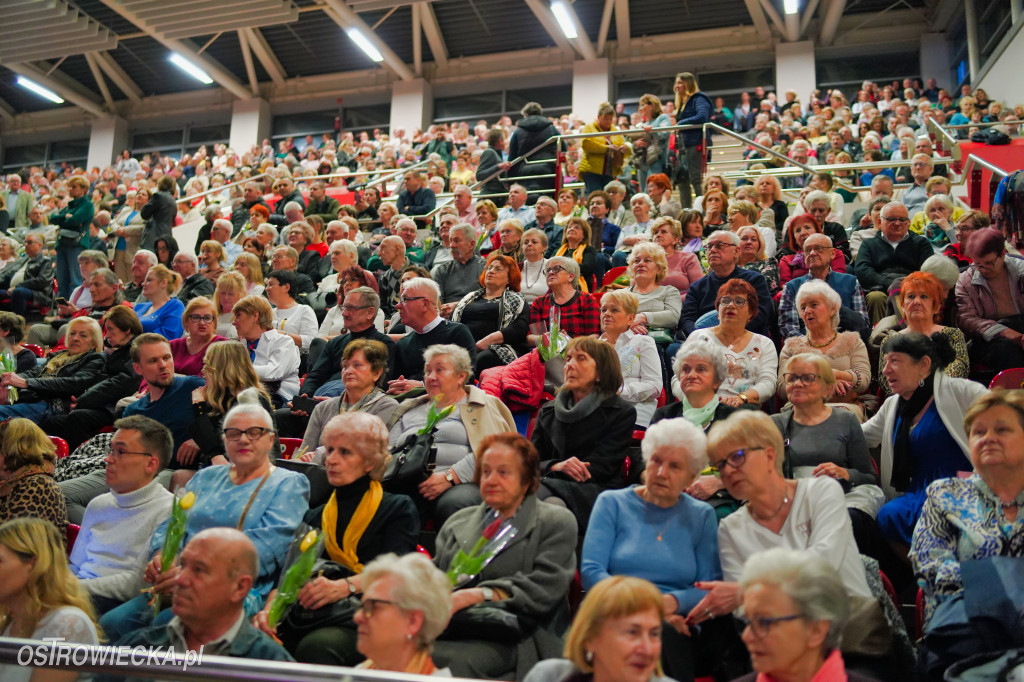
{"type": "Point", "coordinates": [221, 232]}
{"type": "Point", "coordinates": [27, 278]}
{"type": "Point", "coordinates": [320, 204]}
{"type": "Point", "coordinates": [881, 186]}
{"type": "Point", "coordinates": [192, 282]}
{"type": "Point", "coordinates": [415, 199]}
{"type": "Point", "coordinates": [287, 258]}
{"type": "Point", "coordinates": [544, 220]}
{"type": "Point", "coordinates": [516, 206]}
{"type": "Point", "coordinates": [723, 250]}
{"type": "Point", "coordinates": [112, 547]}
{"type": "Point", "coordinates": [285, 188]}
{"type": "Point", "coordinates": [460, 275]}
{"type": "Point", "coordinates": [463, 203]}
{"type": "Point", "coordinates": [819, 206]}
{"type": "Point", "coordinates": [922, 145]}
{"type": "Point", "coordinates": [914, 198]}
{"type": "Point", "coordinates": [251, 196]}
{"type": "Point", "coordinates": [215, 573]}
{"type": "Point", "coordinates": [818, 254]}
{"type": "Point", "coordinates": [440, 250]}
{"type": "Point", "coordinates": [18, 201]}
{"type": "Point", "coordinates": [391, 255]}
{"type": "Point", "coordinates": [143, 260]}
{"type": "Point", "coordinates": [893, 253]}
{"type": "Point", "coordinates": [334, 231]}
{"type": "Point", "coordinates": [418, 307]}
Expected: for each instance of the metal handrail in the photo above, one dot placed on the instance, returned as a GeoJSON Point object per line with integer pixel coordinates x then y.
{"type": "Point", "coordinates": [948, 143]}
{"type": "Point", "coordinates": [972, 159]}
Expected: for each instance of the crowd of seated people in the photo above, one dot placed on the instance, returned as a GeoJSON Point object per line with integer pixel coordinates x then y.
{"type": "Point", "coordinates": [697, 426]}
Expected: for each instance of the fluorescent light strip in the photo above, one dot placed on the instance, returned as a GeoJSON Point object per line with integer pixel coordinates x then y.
{"type": "Point", "coordinates": [365, 45]}
{"type": "Point", "coordinates": [189, 68]}
{"type": "Point", "coordinates": [791, 6]}
{"type": "Point", "coordinates": [561, 13]}
{"type": "Point", "coordinates": [45, 93]}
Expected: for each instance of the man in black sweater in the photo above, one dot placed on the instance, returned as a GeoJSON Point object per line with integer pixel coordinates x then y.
{"type": "Point", "coordinates": [418, 307]}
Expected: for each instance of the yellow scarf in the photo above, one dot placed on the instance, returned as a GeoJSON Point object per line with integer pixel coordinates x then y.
{"type": "Point", "coordinates": [367, 509]}
{"type": "Point", "coordinates": [577, 256]}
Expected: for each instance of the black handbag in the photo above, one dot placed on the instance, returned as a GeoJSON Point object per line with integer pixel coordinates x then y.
{"type": "Point", "coordinates": [487, 622]}
{"type": "Point", "coordinates": [411, 464]}
{"type": "Point", "coordinates": [299, 621]}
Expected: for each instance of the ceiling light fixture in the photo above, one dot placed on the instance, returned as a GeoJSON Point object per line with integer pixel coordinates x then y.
{"type": "Point", "coordinates": [40, 90]}
{"type": "Point", "coordinates": [791, 6]}
{"type": "Point", "coordinates": [365, 45]}
{"type": "Point", "coordinates": [190, 68]}
{"type": "Point", "coordinates": [561, 12]}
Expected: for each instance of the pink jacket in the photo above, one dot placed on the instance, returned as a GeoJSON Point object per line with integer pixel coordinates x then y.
{"type": "Point", "coordinates": [519, 385]}
{"type": "Point", "coordinates": [977, 307]}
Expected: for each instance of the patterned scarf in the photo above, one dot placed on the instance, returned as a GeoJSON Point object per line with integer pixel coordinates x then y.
{"type": "Point", "coordinates": [510, 305]}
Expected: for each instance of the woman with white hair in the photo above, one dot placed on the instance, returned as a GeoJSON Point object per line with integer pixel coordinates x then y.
{"type": "Point", "coordinates": [576, 311]}
{"type": "Point", "coordinates": [794, 610]}
{"type": "Point", "coordinates": [656, 532]}
{"type": "Point", "coordinates": [939, 221]}
{"type": "Point", "coordinates": [637, 231]}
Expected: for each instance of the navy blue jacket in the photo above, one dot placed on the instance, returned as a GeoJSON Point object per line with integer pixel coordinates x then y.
{"type": "Point", "coordinates": [700, 299]}
{"type": "Point", "coordinates": [698, 109]}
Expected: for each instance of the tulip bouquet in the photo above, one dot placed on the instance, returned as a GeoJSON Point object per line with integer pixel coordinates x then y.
{"type": "Point", "coordinates": [295, 576]}
{"type": "Point", "coordinates": [435, 416]}
{"type": "Point", "coordinates": [556, 342]}
{"type": "Point", "coordinates": [8, 364]}
{"type": "Point", "coordinates": [172, 539]}
{"type": "Point", "coordinates": [468, 565]}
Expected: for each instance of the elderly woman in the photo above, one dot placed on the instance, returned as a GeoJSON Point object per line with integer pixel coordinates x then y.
{"type": "Point", "coordinates": [534, 283]}
{"type": "Point", "coordinates": [568, 207]}
{"type": "Point", "coordinates": [274, 355]}
{"type": "Point", "coordinates": [920, 427]}
{"type": "Point", "coordinates": [265, 502]}
{"type": "Point", "coordinates": [407, 603]}
{"type": "Point", "coordinates": [655, 532]}
{"type": "Point", "coordinates": [48, 390]}
{"type": "Point", "coordinates": [966, 225]}
{"type": "Point", "coordinates": [791, 260]}
{"type": "Point", "coordinates": [529, 578]}
{"type": "Point", "coordinates": [938, 219]}
{"type": "Point", "coordinates": [300, 238]}
{"type": "Point", "coordinates": [27, 488]}
{"type": "Point", "coordinates": [658, 305]}
{"type": "Point", "coordinates": [295, 320]}
{"type": "Point", "coordinates": [638, 230]}
{"type": "Point", "coordinates": [769, 195]}
{"type": "Point", "coordinates": [752, 257]}
{"type": "Point", "coordinates": [576, 311]}
{"type": "Point", "coordinates": [447, 368]}
{"type": "Point", "coordinates": [616, 636]}
{"type": "Point", "coordinates": [162, 313]}
{"type": "Point", "coordinates": [211, 259]}
{"type": "Point", "coordinates": [752, 359]}
{"type": "Point", "coordinates": [360, 522]}
{"type": "Point", "coordinates": [742, 213]}
{"type": "Point", "coordinates": [638, 354]}
{"type": "Point", "coordinates": [921, 298]}
{"type": "Point", "coordinates": [249, 266]}
{"type": "Point", "coordinates": [795, 608]}
{"type": "Point", "coordinates": [200, 324]}
{"type": "Point", "coordinates": [818, 305]}
{"type": "Point", "coordinates": [363, 364]}
{"type": "Point", "coordinates": [683, 266]}
{"type": "Point", "coordinates": [496, 313]}
{"type": "Point", "coordinates": [576, 245]}
{"type": "Point", "coordinates": [583, 434]}
{"type": "Point", "coordinates": [106, 290]}
{"type": "Point", "coordinates": [511, 234]}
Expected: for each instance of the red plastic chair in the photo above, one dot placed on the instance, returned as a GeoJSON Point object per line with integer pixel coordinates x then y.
{"type": "Point", "coordinates": [889, 589]}
{"type": "Point", "coordinates": [38, 350]}
{"type": "Point", "coordinates": [62, 447]}
{"type": "Point", "coordinates": [289, 446]}
{"type": "Point", "coordinates": [613, 275]}
{"type": "Point", "coordinates": [1009, 378]}
{"type": "Point", "coordinates": [72, 534]}
{"type": "Point", "coordinates": [423, 550]}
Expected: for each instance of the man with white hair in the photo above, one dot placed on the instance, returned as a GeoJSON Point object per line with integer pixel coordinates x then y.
{"type": "Point", "coordinates": [220, 231]}
{"type": "Point", "coordinates": [143, 260]}
{"type": "Point", "coordinates": [193, 283]}
{"type": "Point", "coordinates": [460, 275]}
{"type": "Point", "coordinates": [463, 203]}
{"type": "Point", "coordinates": [17, 200]}
{"type": "Point", "coordinates": [516, 206]}
{"type": "Point", "coordinates": [544, 220]}
{"type": "Point", "coordinates": [818, 253]}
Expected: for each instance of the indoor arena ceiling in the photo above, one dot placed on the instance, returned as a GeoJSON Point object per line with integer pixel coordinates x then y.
{"type": "Point", "coordinates": [96, 53]}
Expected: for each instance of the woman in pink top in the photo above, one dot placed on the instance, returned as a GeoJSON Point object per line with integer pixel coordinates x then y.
{"type": "Point", "coordinates": [683, 267]}
{"type": "Point", "coordinates": [200, 321]}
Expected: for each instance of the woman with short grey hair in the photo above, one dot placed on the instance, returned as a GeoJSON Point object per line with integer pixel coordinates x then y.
{"type": "Point", "coordinates": [577, 312]}
{"type": "Point", "coordinates": [795, 608]}
{"type": "Point", "coordinates": [535, 245]}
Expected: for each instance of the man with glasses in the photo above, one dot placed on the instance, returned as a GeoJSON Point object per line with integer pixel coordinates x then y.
{"type": "Point", "coordinates": [27, 278]}
{"type": "Point", "coordinates": [113, 545]}
{"type": "Point", "coordinates": [914, 198]}
{"type": "Point", "coordinates": [818, 254]}
{"type": "Point", "coordinates": [192, 282]}
{"type": "Point", "coordinates": [544, 220]}
{"type": "Point", "coordinates": [287, 258]}
{"type": "Point", "coordinates": [418, 307]}
{"type": "Point", "coordinates": [892, 254]}
{"type": "Point", "coordinates": [819, 206]}
{"type": "Point", "coordinates": [723, 250]}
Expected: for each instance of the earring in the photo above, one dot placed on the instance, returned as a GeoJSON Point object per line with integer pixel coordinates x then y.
{"type": "Point", "coordinates": [408, 638]}
{"type": "Point", "coordinates": [920, 383]}
{"type": "Point", "coordinates": [588, 657]}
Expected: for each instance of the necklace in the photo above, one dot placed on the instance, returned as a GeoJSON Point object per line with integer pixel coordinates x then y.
{"type": "Point", "coordinates": [835, 335]}
{"type": "Point", "coordinates": [647, 515]}
{"type": "Point", "coordinates": [785, 501]}
{"type": "Point", "coordinates": [526, 273]}
{"type": "Point", "coordinates": [731, 345]}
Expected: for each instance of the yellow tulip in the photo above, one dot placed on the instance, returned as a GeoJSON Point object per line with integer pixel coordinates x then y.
{"type": "Point", "coordinates": [308, 541]}
{"type": "Point", "coordinates": [188, 500]}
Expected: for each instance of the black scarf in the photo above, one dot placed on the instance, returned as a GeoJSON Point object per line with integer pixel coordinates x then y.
{"type": "Point", "coordinates": [906, 410]}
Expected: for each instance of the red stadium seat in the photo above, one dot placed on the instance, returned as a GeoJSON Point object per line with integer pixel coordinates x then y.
{"type": "Point", "coordinates": [289, 446]}
{"type": "Point", "coordinates": [38, 350]}
{"type": "Point", "coordinates": [919, 614]}
{"type": "Point", "coordinates": [1009, 378]}
{"type": "Point", "coordinates": [613, 275]}
{"type": "Point", "coordinates": [423, 550]}
{"type": "Point", "coordinates": [62, 447]}
{"type": "Point", "coordinates": [72, 534]}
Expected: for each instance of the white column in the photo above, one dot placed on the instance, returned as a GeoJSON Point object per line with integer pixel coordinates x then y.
{"type": "Point", "coordinates": [250, 123]}
{"type": "Point", "coordinates": [935, 59]}
{"type": "Point", "coordinates": [794, 70]}
{"type": "Point", "coordinates": [971, 24]}
{"type": "Point", "coordinates": [109, 135]}
{"type": "Point", "coordinates": [1016, 9]}
{"type": "Point", "coordinates": [591, 85]}
{"type": "Point", "coordinates": [412, 105]}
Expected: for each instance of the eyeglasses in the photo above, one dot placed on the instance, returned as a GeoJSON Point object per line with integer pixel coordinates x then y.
{"type": "Point", "coordinates": [349, 308]}
{"type": "Point", "coordinates": [712, 246]}
{"type": "Point", "coordinates": [734, 459]}
{"type": "Point", "coordinates": [738, 302]}
{"type": "Point", "coordinates": [816, 249]}
{"type": "Point", "coordinates": [553, 270]}
{"type": "Point", "coordinates": [254, 433]}
{"type": "Point", "coordinates": [118, 453]}
{"type": "Point", "coordinates": [201, 318]}
{"type": "Point", "coordinates": [965, 228]}
{"type": "Point", "coordinates": [406, 300]}
{"type": "Point", "coordinates": [898, 221]}
{"type": "Point", "coordinates": [761, 627]}
{"type": "Point", "coordinates": [792, 378]}
{"type": "Point", "coordinates": [369, 606]}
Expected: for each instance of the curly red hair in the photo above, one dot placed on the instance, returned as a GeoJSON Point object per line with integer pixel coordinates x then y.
{"type": "Point", "coordinates": [515, 275]}
{"type": "Point", "coordinates": [925, 283]}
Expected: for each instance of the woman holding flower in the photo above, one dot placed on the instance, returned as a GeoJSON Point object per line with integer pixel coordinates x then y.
{"type": "Point", "coordinates": [357, 455]}
{"type": "Point", "coordinates": [529, 577]}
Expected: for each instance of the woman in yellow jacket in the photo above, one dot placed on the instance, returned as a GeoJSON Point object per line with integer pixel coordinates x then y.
{"type": "Point", "coordinates": [603, 156]}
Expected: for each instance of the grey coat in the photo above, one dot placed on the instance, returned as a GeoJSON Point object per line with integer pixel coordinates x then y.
{"type": "Point", "coordinates": [534, 569]}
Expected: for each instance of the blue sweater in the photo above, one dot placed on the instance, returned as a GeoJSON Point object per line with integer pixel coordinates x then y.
{"type": "Point", "coordinates": [622, 540]}
{"type": "Point", "coordinates": [166, 320]}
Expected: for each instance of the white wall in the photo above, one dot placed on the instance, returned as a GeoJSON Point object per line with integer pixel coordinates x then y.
{"type": "Point", "coordinates": [935, 60]}
{"type": "Point", "coordinates": [794, 70]}
{"type": "Point", "coordinates": [1001, 79]}
{"type": "Point", "coordinates": [109, 135]}
{"type": "Point", "coordinates": [412, 105]}
{"type": "Point", "coordinates": [250, 123]}
{"type": "Point", "coordinates": [591, 85]}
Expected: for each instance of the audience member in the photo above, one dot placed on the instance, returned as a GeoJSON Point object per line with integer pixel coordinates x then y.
{"type": "Point", "coordinates": [27, 458]}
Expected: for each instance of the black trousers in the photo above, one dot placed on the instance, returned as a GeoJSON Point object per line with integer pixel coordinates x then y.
{"type": "Point", "coordinates": [77, 426]}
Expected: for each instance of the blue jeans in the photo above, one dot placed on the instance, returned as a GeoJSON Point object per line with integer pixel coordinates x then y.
{"type": "Point", "coordinates": [68, 274]}
{"type": "Point", "coordinates": [20, 298]}
{"type": "Point", "coordinates": [593, 182]}
{"type": "Point", "coordinates": [34, 411]}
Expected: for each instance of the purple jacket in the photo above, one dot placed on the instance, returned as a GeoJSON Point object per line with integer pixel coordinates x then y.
{"type": "Point", "coordinates": [978, 308]}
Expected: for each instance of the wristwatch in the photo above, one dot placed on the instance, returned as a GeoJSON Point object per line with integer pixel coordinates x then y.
{"type": "Point", "coordinates": [351, 587]}
{"type": "Point", "coordinates": [450, 477]}
{"type": "Point", "coordinates": [744, 398]}
{"type": "Point", "coordinates": [488, 593]}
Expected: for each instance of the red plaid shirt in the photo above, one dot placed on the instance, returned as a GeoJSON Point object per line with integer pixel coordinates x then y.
{"type": "Point", "coordinates": [579, 317]}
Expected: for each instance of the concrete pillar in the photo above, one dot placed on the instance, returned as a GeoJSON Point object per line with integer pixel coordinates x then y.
{"type": "Point", "coordinates": [794, 70]}
{"type": "Point", "coordinates": [935, 60]}
{"type": "Point", "coordinates": [109, 135]}
{"type": "Point", "coordinates": [591, 85]}
{"type": "Point", "coordinates": [250, 123]}
{"type": "Point", "coordinates": [412, 105]}
{"type": "Point", "coordinates": [971, 24]}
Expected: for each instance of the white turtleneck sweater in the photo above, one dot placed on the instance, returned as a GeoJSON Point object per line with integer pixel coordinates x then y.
{"type": "Point", "coordinates": [112, 548]}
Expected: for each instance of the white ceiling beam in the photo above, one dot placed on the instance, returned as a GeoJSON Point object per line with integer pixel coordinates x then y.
{"type": "Point", "coordinates": [69, 94]}
{"type": "Point", "coordinates": [582, 40]}
{"type": "Point", "coordinates": [808, 14]}
{"type": "Point", "coordinates": [547, 20]}
{"type": "Point", "coordinates": [774, 15]}
{"type": "Point", "coordinates": [186, 49]}
{"type": "Point", "coordinates": [793, 27]}
{"type": "Point", "coordinates": [606, 22]}
{"type": "Point", "coordinates": [622, 30]}
{"type": "Point", "coordinates": [344, 16]}
{"type": "Point", "coordinates": [266, 56]}
{"type": "Point", "coordinates": [116, 73]}
{"type": "Point", "coordinates": [830, 23]}
{"type": "Point", "coordinates": [417, 41]}
{"type": "Point", "coordinates": [432, 31]}
{"type": "Point", "coordinates": [757, 16]}
{"type": "Point", "coordinates": [250, 68]}
{"type": "Point", "coordinates": [101, 82]}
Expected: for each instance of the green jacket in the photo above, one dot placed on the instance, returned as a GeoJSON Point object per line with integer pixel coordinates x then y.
{"type": "Point", "coordinates": [77, 216]}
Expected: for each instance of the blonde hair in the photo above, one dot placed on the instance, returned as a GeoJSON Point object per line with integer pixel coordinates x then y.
{"type": "Point", "coordinates": [625, 298]}
{"type": "Point", "coordinates": [255, 268]}
{"type": "Point", "coordinates": [51, 585]}
{"type": "Point", "coordinates": [653, 101]}
{"type": "Point", "coordinates": [760, 239]}
{"type": "Point", "coordinates": [691, 87]}
{"type": "Point", "coordinates": [746, 429]}
{"type": "Point", "coordinates": [228, 371]}
{"type": "Point", "coordinates": [171, 279]}
{"type": "Point", "coordinates": [214, 246]}
{"type": "Point", "coordinates": [94, 331]}
{"type": "Point", "coordinates": [821, 366]}
{"type": "Point", "coordinates": [24, 444]}
{"type": "Point", "coordinates": [997, 398]}
{"type": "Point", "coordinates": [258, 306]}
{"type": "Point", "coordinates": [230, 282]}
{"type": "Point", "coordinates": [656, 253]}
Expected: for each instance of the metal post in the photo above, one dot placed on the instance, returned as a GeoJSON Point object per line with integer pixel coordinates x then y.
{"type": "Point", "coordinates": [971, 22]}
